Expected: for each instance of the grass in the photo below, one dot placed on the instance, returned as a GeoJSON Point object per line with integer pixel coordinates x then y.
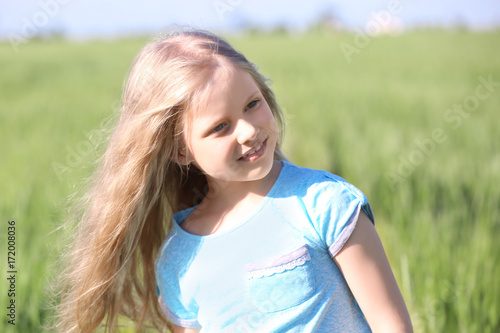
{"type": "Point", "coordinates": [437, 209]}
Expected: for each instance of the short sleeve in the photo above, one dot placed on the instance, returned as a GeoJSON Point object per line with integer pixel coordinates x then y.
{"type": "Point", "coordinates": [178, 314]}
{"type": "Point", "coordinates": [334, 206]}
{"type": "Point", "coordinates": [176, 308]}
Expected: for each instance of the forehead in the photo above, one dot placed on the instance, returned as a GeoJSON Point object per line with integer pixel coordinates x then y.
{"type": "Point", "coordinates": [227, 88]}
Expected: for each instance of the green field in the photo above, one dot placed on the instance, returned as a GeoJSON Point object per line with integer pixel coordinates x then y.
{"type": "Point", "coordinates": [388, 121]}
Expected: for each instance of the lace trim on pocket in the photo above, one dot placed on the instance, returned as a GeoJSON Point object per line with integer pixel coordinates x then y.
{"type": "Point", "coordinates": [279, 269]}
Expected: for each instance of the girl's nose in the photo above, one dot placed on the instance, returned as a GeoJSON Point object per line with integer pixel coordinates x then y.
{"type": "Point", "coordinates": [247, 132]}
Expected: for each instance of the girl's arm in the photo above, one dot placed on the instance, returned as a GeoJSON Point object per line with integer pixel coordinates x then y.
{"type": "Point", "coordinates": [366, 269]}
{"type": "Point", "coordinates": [179, 329]}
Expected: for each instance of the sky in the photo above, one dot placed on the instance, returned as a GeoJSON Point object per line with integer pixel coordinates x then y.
{"type": "Point", "coordinates": [106, 18]}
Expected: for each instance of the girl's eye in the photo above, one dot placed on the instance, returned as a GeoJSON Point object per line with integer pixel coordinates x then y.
{"type": "Point", "coordinates": [252, 104]}
{"type": "Point", "coordinates": [219, 128]}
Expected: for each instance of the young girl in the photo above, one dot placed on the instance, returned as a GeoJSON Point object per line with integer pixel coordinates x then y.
{"type": "Point", "coordinates": [196, 216]}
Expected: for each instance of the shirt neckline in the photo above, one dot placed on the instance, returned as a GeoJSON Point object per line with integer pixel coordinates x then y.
{"type": "Point", "coordinates": [180, 216]}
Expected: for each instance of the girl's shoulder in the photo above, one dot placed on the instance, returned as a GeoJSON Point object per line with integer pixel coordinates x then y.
{"type": "Point", "coordinates": [321, 191]}
{"type": "Point", "coordinates": [310, 182]}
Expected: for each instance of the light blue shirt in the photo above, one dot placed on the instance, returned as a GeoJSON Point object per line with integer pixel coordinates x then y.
{"type": "Point", "coordinates": [273, 272]}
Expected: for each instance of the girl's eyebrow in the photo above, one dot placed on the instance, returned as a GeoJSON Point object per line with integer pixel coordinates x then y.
{"type": "Point", "coordinates": [252, 95]}
{"type": "Point", "coordinates": [212, 124]}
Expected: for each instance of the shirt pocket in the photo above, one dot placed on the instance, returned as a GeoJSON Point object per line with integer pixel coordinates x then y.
{"type": "Point", "coordinates": [283, 282]}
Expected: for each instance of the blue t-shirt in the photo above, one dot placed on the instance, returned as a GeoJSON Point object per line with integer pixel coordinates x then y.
{"type": "Point", "coordinates": [272, 272]}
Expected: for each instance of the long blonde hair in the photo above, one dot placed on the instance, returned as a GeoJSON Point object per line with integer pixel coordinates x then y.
{"type": "Point", "coordinates": [137, 187]}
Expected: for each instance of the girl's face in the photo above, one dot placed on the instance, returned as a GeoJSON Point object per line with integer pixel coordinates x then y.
{"type": "Point", "coordinates": [233, 134]}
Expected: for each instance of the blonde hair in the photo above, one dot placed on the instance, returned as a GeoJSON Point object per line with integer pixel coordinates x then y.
{"type": "Point", "coordinates": [137, 187]}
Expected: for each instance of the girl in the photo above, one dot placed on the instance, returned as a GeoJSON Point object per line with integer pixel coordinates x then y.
{"type": "Point", "coordinates": [196, 216]}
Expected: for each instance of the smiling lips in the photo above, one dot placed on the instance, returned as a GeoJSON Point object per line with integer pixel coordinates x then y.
{"type": "Point", "coordinates": [255, 153]}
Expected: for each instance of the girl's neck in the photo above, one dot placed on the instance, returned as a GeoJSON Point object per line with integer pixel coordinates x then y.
{"type": "Point", "coordinates": [227, 193]}
{"type": "Point", "coordinates": [229, 202]}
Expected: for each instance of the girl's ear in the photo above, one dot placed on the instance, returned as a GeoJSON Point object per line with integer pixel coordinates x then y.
{"type": "Point", "coordinates": [181, 157]}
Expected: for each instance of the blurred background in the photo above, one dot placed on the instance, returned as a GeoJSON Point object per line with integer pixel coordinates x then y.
{"type": "Point", "coordinates": [398, 97]}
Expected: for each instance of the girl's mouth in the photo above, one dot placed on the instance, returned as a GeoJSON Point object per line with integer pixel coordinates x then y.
{"type": "Point", "coordinates": [255, 153]}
